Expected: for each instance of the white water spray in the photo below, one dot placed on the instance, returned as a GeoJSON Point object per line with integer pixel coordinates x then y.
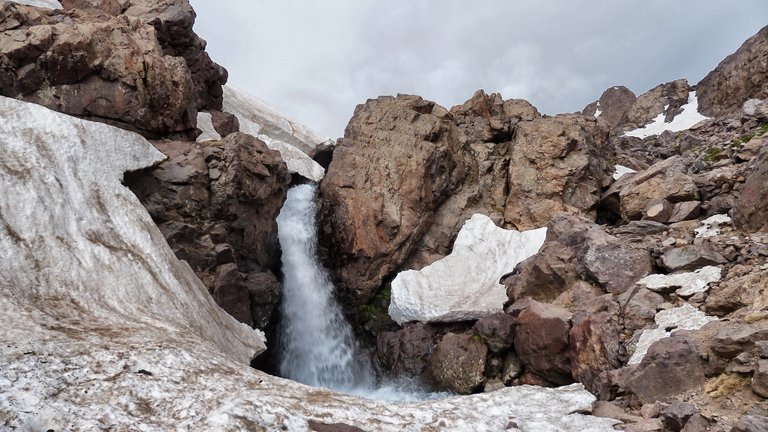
{"type": "Point", "coordinates": [316, 342]}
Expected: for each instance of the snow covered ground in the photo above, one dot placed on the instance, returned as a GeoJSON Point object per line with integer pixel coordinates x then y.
{"type": "Point", "coordinates": [465, 284]}
{"type": "Point", "coordinates": [45, 4]}
{"type": "Point", "coordinates": [295, 142]}
{"type": "Point", "coordinates": [688, 118]}
{"type": "Point", "coordinates": [104, 329]}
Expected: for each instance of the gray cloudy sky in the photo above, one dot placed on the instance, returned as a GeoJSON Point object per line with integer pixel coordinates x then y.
{"type": "Point", "coordinates": [315, 60]}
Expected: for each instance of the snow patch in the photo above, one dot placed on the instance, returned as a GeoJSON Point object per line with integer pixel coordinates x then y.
{"type": "Point", "coordinates": [205, 124]}
{"type": "Point", "coordinates": [44, 4]}
{"type": "Point", "coordinates": [295, 142]}
{"type": "Point", "coordinates": [465, 284]}
{"type": "Point", "coordinates": [688, 118]}
{"type": "Point", "coordinates": [685, 317]}
{"type": "Point", "coordinates": [710, 226]}
{"type": "Point", "coordinates": [620, 170]}
{"type": "Point", "coordinates": [690, 283]}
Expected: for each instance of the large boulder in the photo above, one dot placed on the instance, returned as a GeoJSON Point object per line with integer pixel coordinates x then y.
{"type": "Point", "coordinates": [665, 99]}
{"type": "Point", "coordinates": [216, 203]}
{"type": "Point", "coordinates": [557, 164]}
{"type": "Point", "coordinates": [541, 341]}
{"type": "Point", "coordinates": [406, 352]}
{"type": "Point", "coordinates": [613, 105]}
{"type": "Point", "coordinates": [398, 161]}
{"type": "Point", "coordinates": [107, 67]}
{"type": "Point", "coordinates": [458, 363]}
{"type": "Point", "coordinates": [739, 77]}
{"type": "Point", "coordinates": [751, 210]}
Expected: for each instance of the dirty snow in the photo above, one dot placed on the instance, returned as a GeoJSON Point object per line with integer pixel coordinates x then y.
{"type": "Point", "coordinates": [710, 226]}
{"type": "Point", "coordinates": [465, 284]}
{"type": "Point", "coordinates": [688, 118]}
{"type": "Point", "coordinates": [104, 329]}
{"type": "Point", "coordinates": [690, 283]}
{"type": "Point", "coordinates": [205, 124]}
{"type": "Point", "coordinates": [685, 317]}
{"type": "Point", "coordinates": [45, 4]}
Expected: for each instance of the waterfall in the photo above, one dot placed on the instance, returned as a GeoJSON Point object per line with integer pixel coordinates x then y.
{"type": "Point", "coordinates": [317, 345]}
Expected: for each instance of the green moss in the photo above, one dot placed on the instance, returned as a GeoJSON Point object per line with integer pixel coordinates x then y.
{"type": "Point", "coordinates": [711, 153]}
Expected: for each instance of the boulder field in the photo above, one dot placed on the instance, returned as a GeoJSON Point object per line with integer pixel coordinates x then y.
{"type": "Point", "coordinates": [612, 261]}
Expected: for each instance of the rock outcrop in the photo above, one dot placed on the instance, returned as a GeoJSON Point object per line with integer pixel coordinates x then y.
{"type": "Point", "coordinates": [613, 106]}
{"type": "Point", "coordinates": [398, 161]}
{"type": "Point", "coordinates": [751, 210]}
{"type": "Point", "coordinates": [739, 77]}
{"type": "Point", "coordinates": [216, 204]}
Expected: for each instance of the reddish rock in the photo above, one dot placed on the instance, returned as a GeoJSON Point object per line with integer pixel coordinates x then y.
{"type": "Point", "coordinates": [497, 331]}
{"type": "Point", "coordinates": [224, 123]}
{"type": "Point", "coordinates": [541, 341]}
{"type": "Point", "coordinates": [398, 161]}
{"type": "Point", "coordinates": [665, 98]}
{"type": "Point", "coordinates": [405, 352]}
{"type": "Point", "coordinates": [613, 105]}
{"type": "Point", "coordinates": [594, 348]}
{"type": "Point", "coordinates": [458, 363]}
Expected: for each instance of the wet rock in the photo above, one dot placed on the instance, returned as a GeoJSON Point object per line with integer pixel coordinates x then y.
{"type": "Point", "coordinates": [372, 214]}
{"type": "Point", "coordinates": [497, 331]}
{"type": "Point", "coordinates": [739, 77]}
{"type": "Point", "coordinates": [555, 166]}
{"type": "Point", "coordinates": [458, 363]}
{"type": "Point", "coordinates": [541, 341]}
{"type": "Point", "coordinates": [691, 257]}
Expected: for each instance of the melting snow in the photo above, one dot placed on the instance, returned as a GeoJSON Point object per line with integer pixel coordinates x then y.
{"type": "Point", "coordinates": [205, 124]}
{"type": "Point", "coordinates": [690, 283]}
{"type": "Point", "coordinates": [45, 4]}
{"type": "Point", "coordinates": [465, 284]}
{"type": "Point", "coordinates": [710, 226]}
{"type": "Point", "coordinates": [685, 120]}
{"type": "Point", "coordinates": [620, 170]}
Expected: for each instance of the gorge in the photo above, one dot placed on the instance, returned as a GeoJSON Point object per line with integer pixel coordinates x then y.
{"type": "Point", "coordinates": [166, 238]}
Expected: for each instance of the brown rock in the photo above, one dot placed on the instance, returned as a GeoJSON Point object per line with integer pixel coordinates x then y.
{"type": "Point", "coordinates": [630, 195]}
{"type": "Point", "coordinates": [658, 211]}
{"type": "Point", "coordinates": [647, 425]}
{"type": "Point", "coordinates": [405, 352]}
{"type": "Point", "coordinates": [613, 105]}
{"type": "Point", "coordinates": [594, 348]}
{"type": "Point", "coordinates": [458, 363]}
{"type": "Point", "coordinates": [317, 426]}
{"type": "Point", "coordinates": [760, 378]}
{"type": "Point", "coordinates": [541, 341]}
{"type": "Point", "coordinates": [640, 307]}
{"type": "Point", "coordinates": [739, 77]}
{"type": "Point", "coordinates": [685, 210]}
{"type": "Point", "coordinates": [223, 225]}
{"type": "Point", "coordinates": [650, 104]}
{"type": "Point", "coordinates": [511, 368]}
{"type": "Point", "coordinates": [399, 160]}
{"type": "Point", "coordinates": [605, 409]}
{"type": "Point", "coordinates": [752, 422]}
{"type": "Point", "coordinates": [735, 337]}
{"type": "Point", "coordinates": [489, 118]}
{"type": "Point", "coordinates": [224, 123]}
{"type": "Point", "coordinates": [672, 366]}
{"type": "Point", "coordinates": [497, 331]}
{"type": "Point", "coordinates": [697, 423]}
{"type": "Point", "coordinates": [751, 210]}
{"type": "Point", "coordinates": [556, 165]}
{"type": "Point", "coordinates": [691, 257]}
{"type": "Point", "coordinates": [98, 66]}
{"type": "Point", "coordinates": [676, 415]}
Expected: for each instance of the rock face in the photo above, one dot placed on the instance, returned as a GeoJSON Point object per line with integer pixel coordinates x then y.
{"type": "Point", "coordinates": [613, 105]}
{"type": "Point", "coordinates": [148, 74]}
{"type": "Point", "coordinates": [398, 161]}
{"type": "Point", "coordinates": [741, 76]}
{"type": "Point", "coordinates": [464, 285]}
{"type": "Point", "coordinates": [109, 259]}
{"type": "Point", "coordinates": [665, 98]}
{"type": "Point", "coordinates": [751, 211]}
{"type": "Point", "coordinates": [555, 166]}
{"type": "Point", "coordinates": [216, 204]}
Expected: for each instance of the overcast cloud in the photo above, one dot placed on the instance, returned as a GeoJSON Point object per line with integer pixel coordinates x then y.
{"type": "Point", "coordinates": [316, 60]}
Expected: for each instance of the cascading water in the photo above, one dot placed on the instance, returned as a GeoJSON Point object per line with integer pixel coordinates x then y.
{"type": "Point", "coordinates": [317, 346]}
{"type": "Point", "coordinates": [316, 342]}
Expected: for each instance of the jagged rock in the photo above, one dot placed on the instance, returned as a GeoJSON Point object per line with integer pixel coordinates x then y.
{"type": "Point", "coordinates": [497, 331]}
{"type": "Point", "coordinates": [676, 415]}
{"type": "Point", "coordinates": [489, 118]}
{"type": "Point", "coordinates": [372, 214]}
{"type": "Point", "coordinates": [665, 98]}
{"type": "Point", "coordinates": [752, 422]}
{"type": "Point", "coordinates": [691, 257]}
{"type": "Point", "coordinates": [697, 423]}
{"type": "Point", "coordinates": [751, 210]}
{"type": "Point", "coordinates": [577, 250]}
{"type": "Point", "coordinates": [734, 337]}
{"type": "Point", "coordinates": [541, 341]}
{"type": "Point", "coordinates": [467, 280]}
{"type": "Point", "coordinates": [739, 77]}
{"type": "Point", "coordinates": [630, 195]}
{"type": "Point", "coordinates": [296, 143]}
{"type": "Point", "coordinates": [760, 378]}
{"type": "Point", "coordinates": [109, 68]}
{"type": "Point", "coordinates": [671, 366]}
{"type": "Point", "coordinates": [224, 123]}
{"type": "Point", "coordinates": [594, 348]}
{"type": "Point", "coordinates": [613, 105]}
{"type": "Point", "coordinates": [216, 203]}
{"type": "Point", "coordinates": [640, 306]}
{"type": "Point", "coordinates": [511, 368]}
{"type": "Point", "coordinates": [742, 287]}
{"type": "Point", "coordinates": [405, 353]}
{"type": "Point", "coordinates": [458, 363]}
{"type": "Point", "coordinates": [556, 165]}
